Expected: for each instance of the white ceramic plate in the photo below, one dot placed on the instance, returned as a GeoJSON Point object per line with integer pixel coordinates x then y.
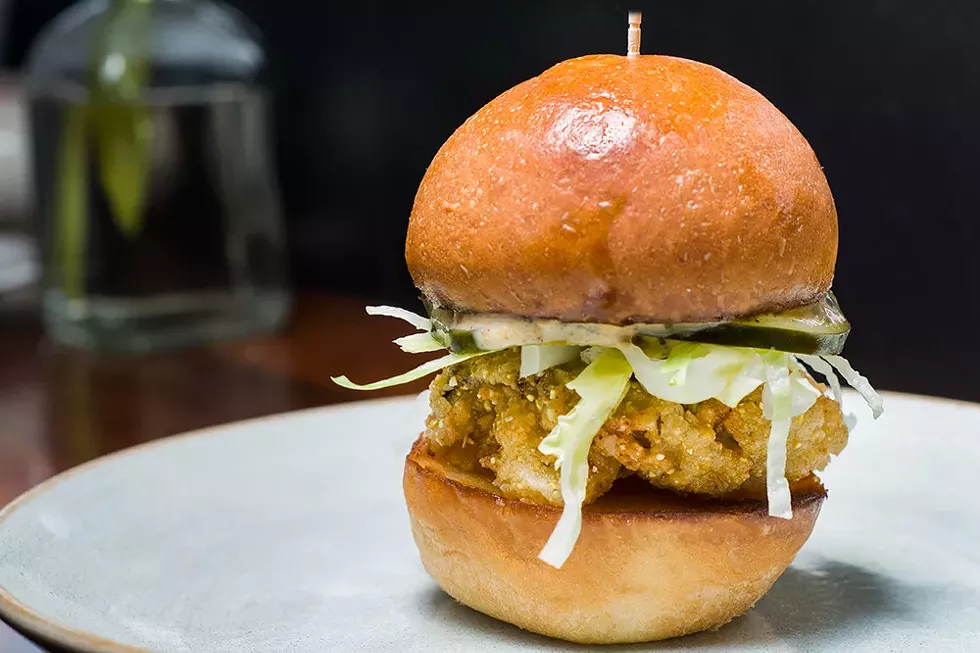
{"type": "Point", "coordinates": [290, 534]}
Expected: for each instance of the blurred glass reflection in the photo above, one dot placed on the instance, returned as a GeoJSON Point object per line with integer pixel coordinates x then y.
{"type": "Point", "coordinates": [157, 206]}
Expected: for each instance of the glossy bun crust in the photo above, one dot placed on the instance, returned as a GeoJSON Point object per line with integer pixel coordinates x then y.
{"type": "Point", "coordinates": [610, 189]}
{"type": "Point", "coordinates": [648, 565]}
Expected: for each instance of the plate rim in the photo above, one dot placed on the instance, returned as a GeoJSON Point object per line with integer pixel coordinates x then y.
{"type": "Point", "coordinates": [45, 629]}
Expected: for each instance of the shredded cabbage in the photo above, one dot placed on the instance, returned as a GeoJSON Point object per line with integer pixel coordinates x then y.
{"type": "Point", "coordinates": [859, 383]}
{"type": "Point", "coordinates": [777, 405]}
{"type": "Point", "coordinates": [824, 368]}
{"type": "Point", "coordinates": [601, 386]}
{"type": "Point", "coordinates": [537, 358]}
{"type": "Point", "coordinates": [693, 373]}
{"type": "Point", "coordinates": [802, 393]}
{"type": "Point", "coordinates": [417, 321]}
{"type": "Point", "coordinates": [679, 372]}
{"type": "Point", "coordinates": [419, 343]}
{"type": "Point", "coordinates": [416, 343]}
{"type": "Point", "coordinates": [422, 370]}
{"type": "Point", "coordinates": [679, 360]}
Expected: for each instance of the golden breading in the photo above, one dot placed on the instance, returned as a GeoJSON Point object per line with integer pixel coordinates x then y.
{"type": "Point", "coordinates": [816, 435]}
{"type": "Point", "coordinates": [485, 417]}
{"type": "Point", "coordinates": [672, 447]}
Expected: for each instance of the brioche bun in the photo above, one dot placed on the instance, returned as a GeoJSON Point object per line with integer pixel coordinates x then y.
{"type": "Point", "coordinates": [648, 565]}
{"type": "Point", "coordinates": [616, 190]}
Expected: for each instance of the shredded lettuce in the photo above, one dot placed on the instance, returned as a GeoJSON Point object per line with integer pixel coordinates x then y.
{"type": "Point", "coordinates": [777, 405]}
{"type": "Point", "coordinates": [693, 373]}
{"type": "Point", "coordinates": [537, 358]}
{"type": "Point", "coordinates": [825, 369]}
{"type": "Point", "coordinates": [859, 383]}
{"type": "Point", "coordinates": [786, 395]}
{"type": "Point", "coordinates": [419, 343]}
{"type": "Point", "coordinates": [601, 386]}
{"type": "Point", "coordinates": [803, 394]}
{"type": "Point", "coordinates": [417, 321]}
{"type": "Point", "coordinates": [822, 367]}
{"type": "Point", "coordinates": [679, 372]}
{"type": "Point", "coordinates": [679, 360]}
{"type": "Point", "coordinates": [416, 343]}
{"type": "Point", "coordinates": [422, 370]}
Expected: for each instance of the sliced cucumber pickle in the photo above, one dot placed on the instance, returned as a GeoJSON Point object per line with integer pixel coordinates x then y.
{"type": "Point", "coordinates": [818, 328]}
{"type": "Point", "coordinates": [457, 341]}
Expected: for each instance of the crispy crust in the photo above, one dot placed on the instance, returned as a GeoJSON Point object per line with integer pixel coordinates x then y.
{"type": "Point", "coordinates": [609, 189]}
{"type": "Point", "coordinates": [649, 564]}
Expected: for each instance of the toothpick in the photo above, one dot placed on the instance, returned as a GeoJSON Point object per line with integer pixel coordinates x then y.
{"type": "Point", "coordinates": [633, 35]}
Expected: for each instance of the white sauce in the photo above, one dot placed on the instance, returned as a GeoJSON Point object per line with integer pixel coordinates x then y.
{"type": "Point", "coordinates": [500, 331]}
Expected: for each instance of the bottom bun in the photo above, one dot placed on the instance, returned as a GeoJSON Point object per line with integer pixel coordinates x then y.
{"type": "Point", "coordinates": [648, 565]}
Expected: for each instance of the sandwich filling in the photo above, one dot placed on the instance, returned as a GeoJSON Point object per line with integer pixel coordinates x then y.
{"type": "Point", "coordinates": [557, 422]}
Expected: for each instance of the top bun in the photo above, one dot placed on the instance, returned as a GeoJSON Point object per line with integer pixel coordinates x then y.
{"type": "Point", "coordinates": [614, 189]}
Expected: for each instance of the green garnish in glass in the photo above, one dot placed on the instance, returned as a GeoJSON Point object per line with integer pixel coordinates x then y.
{"type": "Point", "coordinates": [116, 120]}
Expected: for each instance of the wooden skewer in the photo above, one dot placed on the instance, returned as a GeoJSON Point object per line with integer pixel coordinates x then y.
{"type": "Point", "coordinates": [633, 34]}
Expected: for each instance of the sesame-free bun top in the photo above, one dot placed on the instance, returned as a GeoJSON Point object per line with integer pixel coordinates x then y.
{"type": "Point", "coordinates": [614, 189]}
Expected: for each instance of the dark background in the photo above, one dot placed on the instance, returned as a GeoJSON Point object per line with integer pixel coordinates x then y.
{"type": "Point", "coordinates": [887, 92]}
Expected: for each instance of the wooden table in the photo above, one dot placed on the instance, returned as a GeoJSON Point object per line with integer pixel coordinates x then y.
{"type": "Point", "coordinates": [60, 408]}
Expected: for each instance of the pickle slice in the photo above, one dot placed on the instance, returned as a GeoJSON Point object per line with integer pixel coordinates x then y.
{"type": "Point", "coordinates": [818, 328]}
{"type": "Point", "coordinates": [457, 341]}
